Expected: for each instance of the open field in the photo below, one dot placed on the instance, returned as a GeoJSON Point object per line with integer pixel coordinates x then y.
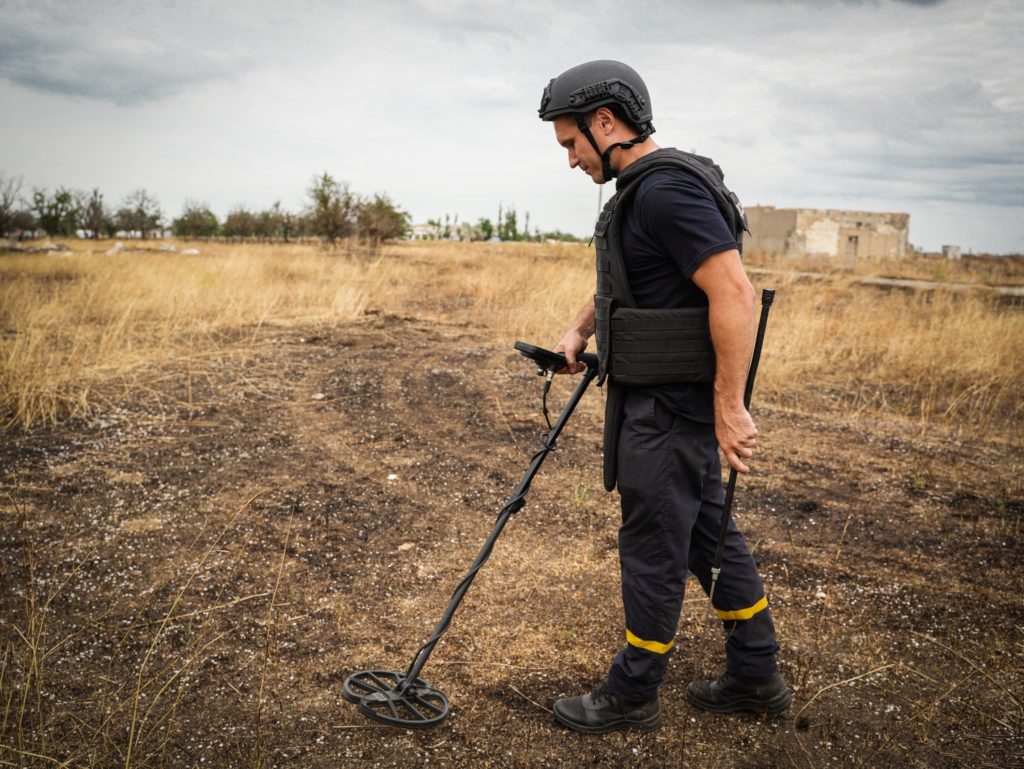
{"type": "Point", "coordinates": [201, 536]}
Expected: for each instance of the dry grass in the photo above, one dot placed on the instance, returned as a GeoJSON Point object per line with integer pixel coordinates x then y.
{"type": "Point", "coordinates": [72, 321]}
{"type": "Point", "coordinates": [152, 612]}
{"type": "Point", "coordinates": [139, 693]}
{"type": "Point", "coordinates": [980, 269]}
{"type": "Point", "coordinates": [78, 325]}
{"type": "Point", "coordinates": [936, 356]}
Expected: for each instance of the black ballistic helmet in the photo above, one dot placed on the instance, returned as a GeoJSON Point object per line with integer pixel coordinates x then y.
{"type": "Point", "coordinates": [594, 84]}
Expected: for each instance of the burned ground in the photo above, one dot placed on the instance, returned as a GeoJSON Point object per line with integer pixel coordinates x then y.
{"type": "Point", "coordinates": [199, 566]}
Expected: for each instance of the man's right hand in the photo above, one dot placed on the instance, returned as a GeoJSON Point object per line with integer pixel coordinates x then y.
{"type": "Point", "coordinates": [572, 344]}
{"type": "Point", "coordinates": [736, 433]}
{"type": "Point", "coordinates": [575, 340]}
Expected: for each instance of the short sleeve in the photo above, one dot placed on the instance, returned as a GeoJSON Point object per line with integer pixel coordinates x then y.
{"type": "Point", "coordinates": [681, 216]}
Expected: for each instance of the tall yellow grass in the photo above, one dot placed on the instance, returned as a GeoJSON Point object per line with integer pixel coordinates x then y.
{"type": "Point", "coordinates": [933, 355]}
{"type": "Point", "coordinates": [980, 270]}
{"type": "Point", "coordinates": [74, 322]}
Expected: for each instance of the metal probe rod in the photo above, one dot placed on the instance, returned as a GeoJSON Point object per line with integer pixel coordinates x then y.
{"type": "Point", "coordinates": [767, 296]}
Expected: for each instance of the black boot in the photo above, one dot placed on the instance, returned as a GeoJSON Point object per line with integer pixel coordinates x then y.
{"type": "Point", "coordinates": [603, 711]}
{"type": "Point", "coordinates": [730, 694]}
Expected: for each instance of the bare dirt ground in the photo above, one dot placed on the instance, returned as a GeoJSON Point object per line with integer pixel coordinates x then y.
{"type": "Point", "coordinates": [200, 566]}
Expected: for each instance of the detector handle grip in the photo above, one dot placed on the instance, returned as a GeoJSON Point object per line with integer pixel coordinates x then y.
{"type": "Point", "coordinates": [553, 361]}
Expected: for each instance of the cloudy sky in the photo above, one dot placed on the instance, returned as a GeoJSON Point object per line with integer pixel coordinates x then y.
{"type": "Point", "coordinates": [887, 105]}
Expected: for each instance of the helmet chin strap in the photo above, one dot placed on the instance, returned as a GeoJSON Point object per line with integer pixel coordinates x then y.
{"type": "Point", "coordinates": [607, 172]}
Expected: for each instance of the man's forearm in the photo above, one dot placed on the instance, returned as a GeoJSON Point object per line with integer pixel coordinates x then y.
{"type": "Point", "coordinates": [583, 324]}
{"type": "Point", "coordinates": [730, 316]}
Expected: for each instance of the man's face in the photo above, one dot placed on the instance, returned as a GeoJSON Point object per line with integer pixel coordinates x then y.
{"type": "Point", "coordinates": [581, 151]}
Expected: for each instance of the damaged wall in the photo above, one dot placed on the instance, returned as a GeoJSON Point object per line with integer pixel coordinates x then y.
{"type": "Point", "coordinates": [829, 233]}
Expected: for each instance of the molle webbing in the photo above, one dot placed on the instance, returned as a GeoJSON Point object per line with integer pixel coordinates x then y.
{"type": "Point", "coordinates": [653, 347]}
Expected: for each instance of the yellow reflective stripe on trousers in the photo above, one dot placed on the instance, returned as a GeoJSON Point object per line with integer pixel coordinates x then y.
{"type": "Point", "coordinates": [651, 646]}
{"type": "Point", "coordinates": [747, 613]}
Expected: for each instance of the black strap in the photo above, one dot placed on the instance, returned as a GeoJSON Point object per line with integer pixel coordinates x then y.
{"type": "Point", "coordinates": [607, 172]}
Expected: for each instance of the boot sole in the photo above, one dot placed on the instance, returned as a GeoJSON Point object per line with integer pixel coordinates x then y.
{"type": "Point", "coordinates": [647, 725]}
{"type": "Point", "coordinates": [776, 705]}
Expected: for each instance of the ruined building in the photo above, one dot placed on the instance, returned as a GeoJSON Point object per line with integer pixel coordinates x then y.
{"type": "Point", "coordinates": [846, 235]}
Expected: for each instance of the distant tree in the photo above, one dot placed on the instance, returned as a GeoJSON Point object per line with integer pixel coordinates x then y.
{"type": "Point", "coordinates": [10, 201]}
{"type": "Point", "coordinates": [486, 228]}
{"type": "Point", "coordinates": [22, 221]}
{"type": "Point", "coordinates": [140, 213]}
{"type": "Point", "coordinates": [508, 229]}
{"type": "Point", "coordinates": [147, 211]}
{"type": "Point", "coordinates": [275, 223]}
{"type": "Point", "coordinates": [196, 221]}
{"type": "Point", "coordinates": [58, 213]}
{"type": "Point", "coordinates": [289, 225]}
{"type": "Point", "coordinates": [240, 223]}
{"type": "Point", "coordinates": [124, 220]}
{"type": "Point", "coordinates": [300, 225]}
{"type": "Point", "coordinates": [96, 219]}
{"type": "Point", "coordinates": [265, 224]}
{"type": "Point", "coordinates": [559, 235]}
{"type": "Point", "coordinates": [378, 220]}
{"type": "Point", "coordinates": [332, 213]}
{"type": "Point", "coordinates": [446, 228]}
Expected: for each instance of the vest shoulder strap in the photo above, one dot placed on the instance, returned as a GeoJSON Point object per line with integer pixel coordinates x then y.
{"type": "Point", "coordinates": [704, 168]}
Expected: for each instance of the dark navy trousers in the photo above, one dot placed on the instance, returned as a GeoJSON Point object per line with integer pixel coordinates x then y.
{"type": "Point", "coordinates": [670, 482]}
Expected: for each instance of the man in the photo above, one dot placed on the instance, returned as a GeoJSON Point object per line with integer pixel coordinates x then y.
{"type": "Point", "coordinates": [673, 316]}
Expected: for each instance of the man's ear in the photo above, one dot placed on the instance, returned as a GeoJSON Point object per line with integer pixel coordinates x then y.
{"type": "Point", "coordinates": [604, 120]}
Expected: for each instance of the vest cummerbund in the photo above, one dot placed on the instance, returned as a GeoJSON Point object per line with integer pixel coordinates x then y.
{"type": "Point", "coordinates": [656, 347]}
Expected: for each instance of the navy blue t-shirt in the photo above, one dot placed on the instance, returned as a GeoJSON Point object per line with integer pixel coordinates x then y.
{"type": "Point", "coordinates": [669, 228]}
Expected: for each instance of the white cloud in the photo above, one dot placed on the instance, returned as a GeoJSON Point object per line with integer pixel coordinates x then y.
{"type": "Point", "coordinates": [121, 52]}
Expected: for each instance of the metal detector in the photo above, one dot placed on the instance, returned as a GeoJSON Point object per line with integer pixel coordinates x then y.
{"type": "Point", "coordinates": [405, 699]}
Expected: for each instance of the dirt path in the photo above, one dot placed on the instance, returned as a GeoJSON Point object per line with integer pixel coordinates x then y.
{"type": "Point", "coordinates": [223, 549]}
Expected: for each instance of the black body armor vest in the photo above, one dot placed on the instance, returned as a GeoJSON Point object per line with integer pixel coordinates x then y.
{"type": "Point", "coordinates": [643, 347]}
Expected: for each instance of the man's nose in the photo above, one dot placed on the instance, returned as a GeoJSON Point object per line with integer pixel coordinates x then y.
{"type": "Point", "coordinates": [573, 160]}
